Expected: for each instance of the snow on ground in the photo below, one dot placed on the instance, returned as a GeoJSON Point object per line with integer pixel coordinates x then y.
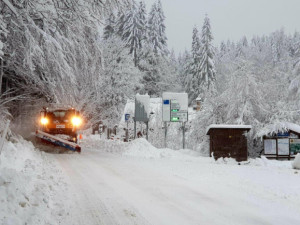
{"type": "Point", "coordinates": [112, 182]}
{"type": "Point", "coordinates": [180, 187]}
{"type": "Point", "coordinates": [32, 190]}
{"type": "Point", "coordinates": [296, 163]}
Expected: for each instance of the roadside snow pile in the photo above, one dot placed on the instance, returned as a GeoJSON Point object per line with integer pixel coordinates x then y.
{"type": "Point", "coordinates": [257, 162]}
{"type": "Point", "coordinates": [95, 143]}
{"type": "Point", "coordinates": [296, 163]}
{"type": "Point", "coordinates": [142, 148]}
{"type": "Point", "coordinates": [32, 190]}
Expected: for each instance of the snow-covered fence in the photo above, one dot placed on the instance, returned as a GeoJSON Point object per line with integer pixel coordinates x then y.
{"type": "Point", "coordinates": [4, 135]}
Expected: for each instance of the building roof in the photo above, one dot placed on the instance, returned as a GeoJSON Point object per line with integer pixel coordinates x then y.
{"type": "Point", "coordinates": [227, 126]}
{"type": "Point", "coordinates": [279, 127]}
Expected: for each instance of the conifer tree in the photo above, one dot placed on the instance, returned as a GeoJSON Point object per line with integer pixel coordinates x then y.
{"type": "Point", "coordinates": [223, 49]}
{"type": "Point", "coordinates": [195, 78]}
{"type": "Point", "coordinates": [142, 13]}
{"type": "Point", "coordinates": [207, 67]}
{"type": "Point", "coordinates": [132, 31]}
{"type": "Point", "coordinates": [162, 29]}
{"type": "Point", "coordinates": [119, 27]}
{"type": "Point", "coordinates": [109, 28]}
{"type": "Point", "coordinates": [156, 30]}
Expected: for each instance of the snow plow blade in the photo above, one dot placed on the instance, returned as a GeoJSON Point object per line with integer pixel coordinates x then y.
{"type": "Point", "coordinates": [58, 141]}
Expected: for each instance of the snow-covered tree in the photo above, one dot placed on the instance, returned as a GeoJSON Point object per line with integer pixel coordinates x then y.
{"type": "Point", "coordinates": [109, 29]}
{"type": "Point", "coordinates": [195, 80]}
{"type": "Point", "coordinates": [162, 29]}
{"type": "Point", "coordinates": [207, 66]}
{"type": "Point", "coordinates": [132, 32]}
{"type": "Point", "coordinates": [142, 17]}
{"type": "Point", "coordinates": [120, 80]}
{"type": "Point", "coordinates": [156, 30]}
{"type": "Point", "coordinates": [54, 54]}
{"type": "Point", "coordinates": [119, 26]}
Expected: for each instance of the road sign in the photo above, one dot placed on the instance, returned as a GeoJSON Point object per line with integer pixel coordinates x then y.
{"type": "Point", "coordinates": [166, 110]}
{"type": "Point", "coordinates": [177, 113]}
{"type": "Point", "coordinates": [127, 117]}
{"type": "Point", "coordinates": [142, 106]}
{"type": "Point", "coordinates": [175, 107]}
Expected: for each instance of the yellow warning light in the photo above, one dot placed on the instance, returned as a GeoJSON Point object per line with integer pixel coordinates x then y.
{"type": "Point", "coordinates": [44, 121]}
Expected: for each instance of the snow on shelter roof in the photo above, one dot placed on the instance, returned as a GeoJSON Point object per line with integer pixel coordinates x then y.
{"type": "Point", "coordinates": [278, 127]}
{"type": "Point", "coordinates": [227, 126]}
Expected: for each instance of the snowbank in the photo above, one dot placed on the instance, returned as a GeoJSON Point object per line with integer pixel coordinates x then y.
{"type": "Point", "coordinates": [32, 190]}
{"type": "Point", "coordinates": [143, 149]}
{"type": "Point", "coordinates": [296, 163]}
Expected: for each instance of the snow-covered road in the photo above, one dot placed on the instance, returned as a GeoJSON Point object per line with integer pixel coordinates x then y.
{"type": "Point", "coordinates": [110, 187]}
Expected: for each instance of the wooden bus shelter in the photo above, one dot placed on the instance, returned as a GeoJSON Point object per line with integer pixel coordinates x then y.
{"type": "Point", "coordinates": [228, 141]}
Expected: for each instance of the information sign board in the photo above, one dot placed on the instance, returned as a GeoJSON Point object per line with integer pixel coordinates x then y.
{"type": "Point", "coordinates": [294, 146]}
{"type": "Point", "coordinates": [270, 146]}
{"type": "Point", "coordinates": [283, 146]}
{"type": "Point", "coordinates": [142, 106]}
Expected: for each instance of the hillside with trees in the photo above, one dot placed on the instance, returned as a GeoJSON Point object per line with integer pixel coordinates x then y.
{"type": "Point", "coordinates": [95, 55]}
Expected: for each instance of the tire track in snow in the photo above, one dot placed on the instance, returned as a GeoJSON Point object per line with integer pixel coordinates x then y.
{"type": "Point", "coordinates": [94, 201]}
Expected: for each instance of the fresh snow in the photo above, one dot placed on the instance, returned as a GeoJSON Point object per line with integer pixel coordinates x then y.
{"type": "Point", "coordinates": [296, 163]}
{"type": "Point", "coordinates": [277, 127]}
{"type": "Point", "coordinates": [112, 182]}
{"type": "Point", "coordinates": [226, 126]}
{"type": "Point", "coordinates": [32, 190]}
{"type": "Point", "coordinates": [136, 183]}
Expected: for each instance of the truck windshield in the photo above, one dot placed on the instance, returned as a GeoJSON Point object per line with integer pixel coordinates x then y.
{"type": "Point", "coordinates": [59, 114]}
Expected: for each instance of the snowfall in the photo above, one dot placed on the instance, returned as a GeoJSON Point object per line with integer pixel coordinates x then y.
{"type": "Point", "coordinates": [112, 182]}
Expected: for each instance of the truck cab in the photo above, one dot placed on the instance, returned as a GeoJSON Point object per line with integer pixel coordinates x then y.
{"type": "Point", "coordinates": [61, 122]}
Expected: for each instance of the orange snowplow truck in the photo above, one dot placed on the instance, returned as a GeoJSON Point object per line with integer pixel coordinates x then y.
{"type": "Point", "coordinates": [61, 121]}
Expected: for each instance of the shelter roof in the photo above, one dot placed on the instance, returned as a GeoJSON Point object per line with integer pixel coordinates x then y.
{"type": "Point", "coordinates": [228, 126]}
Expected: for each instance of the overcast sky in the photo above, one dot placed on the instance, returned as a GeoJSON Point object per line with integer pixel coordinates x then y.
{"type": "Point", "coordinates": [230, 19]}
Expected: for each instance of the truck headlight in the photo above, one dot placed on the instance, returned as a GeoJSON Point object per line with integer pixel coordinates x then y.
{"type": "Point", "coordinates": [76, 121]}
{"type": "Point", "coordinates": [44, 121]}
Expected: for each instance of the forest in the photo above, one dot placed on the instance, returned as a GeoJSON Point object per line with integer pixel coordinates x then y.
{"type": "Point", "coordinates": [96, 55]}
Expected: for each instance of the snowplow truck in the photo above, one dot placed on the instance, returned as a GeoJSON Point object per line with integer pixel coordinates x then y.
{"type": "Point", "coordinates": [60, 127]}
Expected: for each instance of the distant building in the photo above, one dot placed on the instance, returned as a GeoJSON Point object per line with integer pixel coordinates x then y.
{"type": "Point", "coordinates": [197, 104]}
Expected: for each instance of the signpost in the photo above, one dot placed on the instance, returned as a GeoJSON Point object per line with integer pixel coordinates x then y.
{"type": "Point", "coordinates": [175, 109]}
{"type": "Point", "coordinates": [127, 117]}
{"type": "Point", "coordinates": [141, 112]}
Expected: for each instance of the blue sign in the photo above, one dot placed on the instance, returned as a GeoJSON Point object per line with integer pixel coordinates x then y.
{"type": "Point", "coordinates": [166, 102]}
{"type": "Point", "coordinates": [127, 116]}
{"type": "Point", "coordinates": [283, 134]}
